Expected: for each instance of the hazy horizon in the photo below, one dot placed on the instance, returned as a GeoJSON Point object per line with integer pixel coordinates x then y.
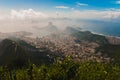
{"type": "Point", "coordinates": [21, 15]}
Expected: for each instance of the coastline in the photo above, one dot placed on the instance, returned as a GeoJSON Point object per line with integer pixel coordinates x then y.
{"type": "Point", "coordinates": [105, 35]}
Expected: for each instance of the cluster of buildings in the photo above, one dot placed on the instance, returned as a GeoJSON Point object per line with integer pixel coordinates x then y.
{"type": "Point", "coordinates": [65, 45]}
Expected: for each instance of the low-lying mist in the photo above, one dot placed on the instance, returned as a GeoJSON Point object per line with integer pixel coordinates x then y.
{"type": "Point", "coordinates": [41, 27]}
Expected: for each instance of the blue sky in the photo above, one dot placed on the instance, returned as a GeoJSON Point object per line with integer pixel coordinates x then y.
{"type": "Point", "coordinates": [81, 9]}
{"type": "Point", "coordinates": [50, 4]}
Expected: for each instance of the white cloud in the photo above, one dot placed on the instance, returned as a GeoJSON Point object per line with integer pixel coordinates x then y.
{"type": "Point", "coordinates": [95, 14]}
{"type": "Point", "coordinates": [112, 15]}
{"type": "Point", "coordinates": [81, 4]}
{"type": "Point", "coordinates": [72, 8]}
{"type": "Point", "coordinates": [26, 19]}
{"type": "Point", "coordinates": [62, 7]}
{"type": "Point", "coordinates": [117, 2]}
{"type": "Point", "coordinates": [31, 14]}
{"type": "Point", "coordinates": [113, 9]}
{"type": "Point", "coordinates": [27, 14]}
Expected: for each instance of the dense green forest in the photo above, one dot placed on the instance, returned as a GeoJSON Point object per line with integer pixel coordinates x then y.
{"type": "Point", "coordinates": [62, 70]}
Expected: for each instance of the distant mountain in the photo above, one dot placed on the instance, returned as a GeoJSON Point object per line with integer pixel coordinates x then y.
{"type": "Point", "coordinates": [37, 56]}
{"type": "Point", "coordinates": [12, 53]}
{"type": "Point", "coordinates": [71, 30]}
{"type": "Point", "coordinates": [86, 36]}
{"type": "Point", "coordinates": [18, 50]}
{"type": "Point", "coordinates": [49, 29]}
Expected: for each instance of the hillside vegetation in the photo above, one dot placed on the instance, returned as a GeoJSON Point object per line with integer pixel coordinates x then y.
{"type": "Point", "coordinates": [65, 70]}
